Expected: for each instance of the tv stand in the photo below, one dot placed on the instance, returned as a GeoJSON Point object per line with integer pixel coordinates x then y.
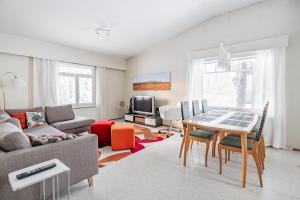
{"type": "Point", "coordinates": [147, 120]}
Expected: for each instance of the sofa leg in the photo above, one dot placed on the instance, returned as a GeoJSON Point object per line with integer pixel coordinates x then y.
{"type": "Point", "coordinates": [90, 180]}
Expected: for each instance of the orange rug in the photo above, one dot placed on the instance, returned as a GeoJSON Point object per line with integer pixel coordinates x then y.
{"type": "Point", "coordinates": [143, 137]}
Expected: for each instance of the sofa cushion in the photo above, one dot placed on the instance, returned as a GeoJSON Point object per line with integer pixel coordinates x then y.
{"type": "Point", "coordinates": [59, 113]}
{"type": "Point", "coordinates": [44, 129]}
{"type": "Point", "coordinates": [3, 116]}
{"type": "Point", "coordinates": [12, 138]}
{"type": "Point", "coordinates": [78, 122]}
{"type": "Point", "coordinates": [78, 131]}
{"type": "Point", "coordinates": [15, 122]}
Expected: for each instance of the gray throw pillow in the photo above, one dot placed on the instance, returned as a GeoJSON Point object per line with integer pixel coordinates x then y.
{"type": "Point", "coordinates": [12, 138]}
{"type": "Point", "coordinates": [59, 113]}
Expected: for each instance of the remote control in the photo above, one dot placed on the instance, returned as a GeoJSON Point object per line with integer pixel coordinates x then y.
{"type": "Point", "coordinates": [35, 171]}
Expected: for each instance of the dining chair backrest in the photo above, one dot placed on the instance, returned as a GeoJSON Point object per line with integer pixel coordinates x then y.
{"type": "Point", "coordinates": [185, 110]}
{"type": "Point", "coordinates": [262, 122]}
{"type": "Point", "coordinates": [204, 106]}
{"type": "Point", "coordinates": [197, 110]}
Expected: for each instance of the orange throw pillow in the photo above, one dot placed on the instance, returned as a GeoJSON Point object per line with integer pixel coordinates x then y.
{"type": "Point", "coordinates": [22, 118]}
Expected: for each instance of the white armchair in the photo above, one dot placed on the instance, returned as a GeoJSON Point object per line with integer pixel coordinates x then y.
{"type": "Point", "coordinates": [170, 113]}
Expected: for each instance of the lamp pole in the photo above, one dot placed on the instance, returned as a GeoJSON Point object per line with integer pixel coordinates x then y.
{"type": "Point", "coordinates": [15, 78]}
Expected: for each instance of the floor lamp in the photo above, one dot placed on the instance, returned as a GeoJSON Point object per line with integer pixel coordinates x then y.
{"type": "Point", "coordinates": [14, 83]}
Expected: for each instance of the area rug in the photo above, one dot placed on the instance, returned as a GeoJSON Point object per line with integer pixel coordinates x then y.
{"type": "Point", "coordinates": [144, 137]}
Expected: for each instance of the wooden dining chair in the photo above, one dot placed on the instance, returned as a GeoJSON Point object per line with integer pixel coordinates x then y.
{"type": "Point", "coordinates": [198, 135]}
{"type": "Point", "coordinates": [230, 144]}
{"type": "Point", "coordinates": [252, 137]}
{"type": "Point", "coordinates": [204, 106]}
{"type": "Point", "coordinates": [197, 110]}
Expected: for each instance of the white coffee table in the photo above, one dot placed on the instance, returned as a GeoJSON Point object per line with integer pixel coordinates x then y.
{"type": "Point", "coordinates": [53, 173]}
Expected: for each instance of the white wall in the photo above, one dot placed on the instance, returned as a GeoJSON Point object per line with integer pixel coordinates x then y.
{"type": "Point", "coordinates": [14, 56]}
{"type": "Point", "coordinates": [115, 94]}
{"type": "Point", "coordinates": [19, 97]}
{"type": "Point", "coordinates": [34, 48]}
{"type": "Point", "coordinates": [267, 19]}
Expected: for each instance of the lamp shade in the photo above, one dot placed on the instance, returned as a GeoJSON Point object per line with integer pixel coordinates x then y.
{"type": "Point", "coordinates": [14, 83]}
{"type": "Point", "coordinates": [18, 83]}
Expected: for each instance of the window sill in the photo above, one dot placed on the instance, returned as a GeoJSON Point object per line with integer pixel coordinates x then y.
{"type": "Point", "coordinates": [83, 107]}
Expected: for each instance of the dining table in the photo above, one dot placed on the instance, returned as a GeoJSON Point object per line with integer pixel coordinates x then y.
{"type": "Point", "coordinates": [223, 121]}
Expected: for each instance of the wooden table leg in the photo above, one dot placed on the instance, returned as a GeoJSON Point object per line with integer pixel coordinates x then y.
{"type": "Point", "coordinates": [244, 154]}
{"type": "Point", "coordinates": [186, 142]}
{"type": "Point", "coordinates": [182, 142]}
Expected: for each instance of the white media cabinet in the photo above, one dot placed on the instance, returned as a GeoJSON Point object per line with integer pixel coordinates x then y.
{"type": "Point", "coordinates": [147, 120]}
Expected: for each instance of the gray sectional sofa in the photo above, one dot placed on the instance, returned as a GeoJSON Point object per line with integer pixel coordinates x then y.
{"type": "Point", "coordinates": [16, 152]}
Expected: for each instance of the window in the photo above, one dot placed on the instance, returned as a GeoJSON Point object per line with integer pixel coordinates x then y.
{"type": "Point", "coordinates": [76, 84]}
{"type": "Point", "coordinates": [229, 88]}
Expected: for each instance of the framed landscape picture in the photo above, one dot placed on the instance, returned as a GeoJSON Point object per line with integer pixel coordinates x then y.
{"type": "Point", "coordinates": [153, 81]}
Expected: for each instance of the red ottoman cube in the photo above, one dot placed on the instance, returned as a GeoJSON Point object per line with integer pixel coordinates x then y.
{"type": "Point", "coordinates": [103, 130]}
{"type": "Point", "coordinates": [122, 137]}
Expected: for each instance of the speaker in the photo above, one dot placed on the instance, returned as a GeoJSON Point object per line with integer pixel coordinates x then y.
{"type": "Point", "coordinates": [130, 106]}
{"type": "Point", "coordinates": [157, 112]}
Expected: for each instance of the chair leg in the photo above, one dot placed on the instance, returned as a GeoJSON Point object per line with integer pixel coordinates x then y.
{"type": "Point", "coordinates": [182, 144]}
{"type": "Point", "coordinates": [206, 152]}
{"type": "Point", "coordinates": [220, 157]}
{"type": "Point", "coordinates": [213, 152]}
{"type": "Point", "coordinates": [255, 157]}
{"type": "Point", "coordinates": [226, 156]}
{"type": "Point", "coordinates": [261, 155]}
{"type": "Point", "coordinates": [263, 146]}
{"type": "Point", "coordinates": [261, 159]}
{"type": "Point", "coordinates": [186, 148]}
{"type": "Point", "coordinates": [191, 146]}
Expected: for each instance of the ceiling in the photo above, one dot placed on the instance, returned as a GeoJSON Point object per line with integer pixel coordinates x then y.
{"type": "Point", "coordinates": [135, 24]}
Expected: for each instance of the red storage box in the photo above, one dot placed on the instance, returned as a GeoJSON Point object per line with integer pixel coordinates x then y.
{"type": "Point", "coordinates": [103, 130]}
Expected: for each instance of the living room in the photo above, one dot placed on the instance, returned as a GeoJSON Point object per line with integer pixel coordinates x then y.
{"type": "Point", "coordinates": [129, 100]}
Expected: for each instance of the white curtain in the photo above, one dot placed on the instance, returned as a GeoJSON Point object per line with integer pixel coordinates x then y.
{"type": "Point", "coordinates": [269, 85]}
{"type": "Point", "coordinates": [102, 103]}
{"type": "Point", "coordinates": [194, 80]}
{"type": "Point", "coordinates": [45, 82]}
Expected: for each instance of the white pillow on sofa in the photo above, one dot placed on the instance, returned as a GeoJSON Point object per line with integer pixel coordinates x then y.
{"type": "Point", "coordinates": [35, 119]}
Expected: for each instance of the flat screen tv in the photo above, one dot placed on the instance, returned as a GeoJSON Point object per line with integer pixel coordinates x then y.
{"type": "Point", "coordinates": [143, 105]}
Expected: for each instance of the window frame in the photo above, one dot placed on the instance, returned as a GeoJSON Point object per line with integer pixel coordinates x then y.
{"type": "Point", "coordinates": [77, 76]}
{"type": "Point", "coordinates": [234, 57]}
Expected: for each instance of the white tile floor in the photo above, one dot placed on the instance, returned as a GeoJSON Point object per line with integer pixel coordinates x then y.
{"type": "Point", "coordinates": [156, 173]}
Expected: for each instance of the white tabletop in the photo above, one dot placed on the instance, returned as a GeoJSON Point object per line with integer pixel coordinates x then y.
{"type": "Point", "coordinates": [216, 122]}
{"type": "Point", "coordinates": [26, 182]}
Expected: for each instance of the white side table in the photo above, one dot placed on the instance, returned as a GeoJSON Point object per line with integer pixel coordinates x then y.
{"type": "Point", "coordinates": [53, 173]}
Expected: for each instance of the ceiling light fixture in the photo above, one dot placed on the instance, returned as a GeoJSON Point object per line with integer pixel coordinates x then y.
{"type": "Point", "coordinates": [102, 31]}
{"type": "Point", "coordinates": [224, 58]}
